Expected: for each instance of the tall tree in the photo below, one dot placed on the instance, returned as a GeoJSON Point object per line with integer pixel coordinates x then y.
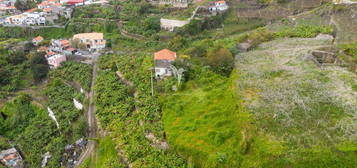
{"type": "Point", "coordinates": [23, 5]}
{"type": "Point", "coordinates": [39, 66]}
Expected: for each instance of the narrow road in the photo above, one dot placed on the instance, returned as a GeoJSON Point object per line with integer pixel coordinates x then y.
{"type": "Point", "coordinates": [34, 27]}
{"type": "Point", "coordinates": [91, 117]}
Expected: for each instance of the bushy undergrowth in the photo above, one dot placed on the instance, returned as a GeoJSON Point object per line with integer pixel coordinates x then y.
{"type": "Point", "coordinates": [95, 11]}
{"type": "Point", "coordinates": [34, 133]}
{"type": "Point", "coordinates": [349, 55]}
{"type": "Point", "coordinates": [304, 31]}
{"type": "Point", "coordinates": [128, 119]}
{"type": "Point", "coordinates": [75, 72]}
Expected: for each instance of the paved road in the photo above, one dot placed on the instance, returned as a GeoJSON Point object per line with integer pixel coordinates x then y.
{"type": "Point", "coordinates": [35, 27]}
{"type": "Point", "coordinates": [91, 117]}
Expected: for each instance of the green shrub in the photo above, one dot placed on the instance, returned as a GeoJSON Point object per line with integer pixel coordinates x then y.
{"type": "Point", "coordinates": [350, 49]}
{"type": "Point", "coordinates": [259, 36]}
{"type": "Point", "coordinates": [303, 31]}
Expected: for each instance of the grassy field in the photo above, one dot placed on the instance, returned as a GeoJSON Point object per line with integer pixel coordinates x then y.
{"type": "Point", "coordinates": [208, 124]}
{"type": "Point", "coordinates": [307, 108]}
{"type": "Point", "coordinates": [105, 155]}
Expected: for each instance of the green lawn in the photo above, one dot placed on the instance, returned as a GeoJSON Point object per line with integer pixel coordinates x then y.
{"type": "Point", "coordinates": [209, 126]}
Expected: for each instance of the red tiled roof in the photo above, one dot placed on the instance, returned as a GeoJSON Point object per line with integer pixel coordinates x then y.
{"type": "Point", "coordinates": [42, 49]}
{"type": "Point", "coordinates": [165, 54]}
{"type": "Point", "coordinates": [64, 42]}
{"type": "Point", "coordinates": [38, 38]}
{"type": "Point", "coordinates": [51, 53]}
{"type": "Point", "coordinates": [31, 10]}
{"type": "Point", "coordinates": [44, 3]}
{"type": "Point", "coordinates": [47, 9]}
{"type": "Point", "coordinates": [72, 2]}
{"type": "Point", "coordinates": [220, 1]}
{"type": "Point", "coordinates": [70, 49]}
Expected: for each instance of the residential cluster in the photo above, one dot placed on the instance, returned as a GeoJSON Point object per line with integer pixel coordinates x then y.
{"type": "Point", "coordinates": [80, 44]}
{"type": "Point", "coordinates": [46, 12]}
{"type": "Point", "coordinates": [11, 158]}
{"type": "Point", "coordinates": [217, 6]}
{"type": "Point", "coordinates": [7, 7]}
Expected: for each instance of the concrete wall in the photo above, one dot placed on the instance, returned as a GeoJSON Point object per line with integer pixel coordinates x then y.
{"type": "Point", "coordinates": [170, 24]}
{"type": "Point", "coordinates": [174, 3]}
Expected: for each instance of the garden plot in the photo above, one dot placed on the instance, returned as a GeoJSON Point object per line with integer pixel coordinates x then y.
{"type": "Point", "coordinates": [295, 100]}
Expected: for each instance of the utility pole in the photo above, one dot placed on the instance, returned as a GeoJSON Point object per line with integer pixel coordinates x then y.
{"type": "Point", "coordinates": [152, 84]}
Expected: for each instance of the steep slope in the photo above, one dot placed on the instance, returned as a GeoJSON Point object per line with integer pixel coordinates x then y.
{"type": "Point", "coordinates": [309, 109]}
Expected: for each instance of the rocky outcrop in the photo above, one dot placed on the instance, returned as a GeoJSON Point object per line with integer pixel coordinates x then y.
{"type": "Point", "coordinates": [244, 47]}
{"type": "Point", "coordinates": [324, 57]}
{"type": "Point", "coordinates": [171, 24]}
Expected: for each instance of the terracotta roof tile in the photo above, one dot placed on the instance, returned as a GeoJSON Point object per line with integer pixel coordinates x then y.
{"type": "Point", "coordinates": [38, 38]}
{"type": "Point", "coordinates": [165, 54]}
{"type": "Point", "coordinates": [93, 35]}
{"type": "Point", "coordinates": [42, 49]}
{"type": "Point", "coordinates": [47, 9]}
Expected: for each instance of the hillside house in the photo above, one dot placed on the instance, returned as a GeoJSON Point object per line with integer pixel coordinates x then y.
{"type": "Point", "coordinates": [59, 45]}
{"type": "Point", "coordinates": [11, 158]}
{"type": "Point", "coordinates": [93, 41]}
{"type": "Point", "coordinates": [163, 60]}
{"type": "Point", "coordinates": [4, 8]}
{"type": "Point", "coordinates": [26, 19]}
{"type": "Point", "coordinates": [43, 5]}
{"type": "Point", "coordinates": [55, 59]}
{"type": "Point", "coordinates": [15, 19]}
{"type": "Point", "coordinates": [37, 40]}
{"type": "Point", "coordinates": [70, 51]}
{"type": "Point", "coordinates": [218, 6]}
{"type": "Point", "coordinates": [73, 2]}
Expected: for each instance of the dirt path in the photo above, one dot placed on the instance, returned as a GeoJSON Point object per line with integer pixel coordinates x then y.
{"type": "Point", "coordinates": [338, 28]}
{"type": "Point", "coordinates": [127, 34]}
{"type": "Point", "coordinates": [155, 142]}
{"type": "Point", "coordinates": [90, 118]}
{"type": "Point", "coordinates": [344, 2]}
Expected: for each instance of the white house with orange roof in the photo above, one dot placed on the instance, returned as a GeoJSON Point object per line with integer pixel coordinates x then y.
{"type": "Point", "coordinates": [37, 40]}
{"type": "Point", "coordinates": [163, 60]}
{"type": "Point", "coordinates": [218, 6]}
{"type": "Point", "coordinates": [59, 45]}
{"type": "Point", "coordinates": [93, 41]}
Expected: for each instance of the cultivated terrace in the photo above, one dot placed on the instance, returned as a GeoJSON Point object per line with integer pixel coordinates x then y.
{"type": "Point", "coordinates": [178, 83]}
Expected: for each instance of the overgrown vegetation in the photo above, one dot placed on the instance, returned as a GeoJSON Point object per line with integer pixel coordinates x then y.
{"type": "Point", "coordinates": [205, 122]}
{"type": "Point", "coordinates": [105, 156]}
{"type": "Point", "coordinates": [130, 120]}
{"type": "Point", "coordinates": [20, 67]}
{"type": "Point", "coordinates": [274, 110]}
{"type": "Point", "coordinates": [349, 55]}
{"type": "Point", "coordinates": [75, 72]}
{"type": "Point", "coordinates": [139, 17]}
{"type": "Point", "coordinates": [27, 125]}
{"type": "Point", "coordinates": [24, 120]}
